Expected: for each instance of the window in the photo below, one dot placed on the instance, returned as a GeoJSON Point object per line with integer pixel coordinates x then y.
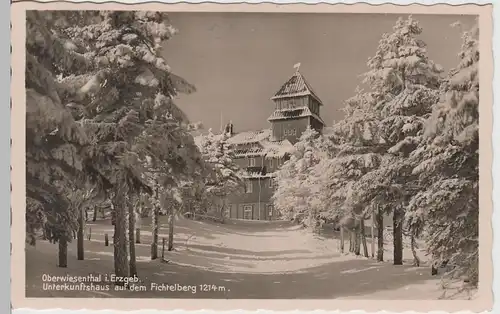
{"type": "Point", "coordinates": [290, 132]}
{"type": "Point", "coordinates": [270, 210]}
{"type": "Point", "coordinates": [314, 106]}
{"type": "Point", "coordinates": [247, 212]}
{"type": "Point", "coordinates": [251, 162]}
{"type": "Point", "coordinates": [248, 186]}
{"type": "Point", "coordinates": [281, 104]}
{"type": "Point", "coordinates": [271, 163]}
{"type": "Point", "coordinates": [271, 182]}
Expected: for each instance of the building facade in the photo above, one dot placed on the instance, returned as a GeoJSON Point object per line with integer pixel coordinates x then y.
{"type": "Point", "coordinates": [260, 153]}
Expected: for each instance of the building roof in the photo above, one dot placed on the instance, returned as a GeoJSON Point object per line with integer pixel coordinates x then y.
{"type": "Point", "coordinates": [294, 87]}
{"type": "Point", "coordinates": [294, 113]}
{"type": "Point", "coordinates": [261, 144]}
{"type": "Point", "coordinates": [248, 137]}
{"type": "Point", "coordinates": [277, 148]}
{"type": "Point", "coordinates": [255, 143]}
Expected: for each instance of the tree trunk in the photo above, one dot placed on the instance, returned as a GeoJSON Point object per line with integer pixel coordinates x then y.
{"type": "Point", "coordinates": [372, 235]}
{"type": "Point", "coordinates": [113, 214]}
{"type": "Point", "coordinates": [397, 221]}
{"type": "Point", "coordinates": [131, 242]}
{"type": "Point", "coordinates": [94, 218]}
{"type": "Point", "coordinates": [63, 252]}
{"type": "Point", "coordinates": [221, 213]}
{"type": "Point", "coordinates": [154, 231]}
{"type": "Point", "coordinates": [220, 208]}
{"type": "Point", "coordinates": [80, 252]}
{"type": "Point", "coordinates": [357, 240]}
{"type": "Point", "coordinates": [171, 230]}
{"type": "Point", "coordinates": [416, 260]}
{"type": "Point", "coordinates": [351, 241]}
{"type": "Point", "coordinates": [138, 224]}
{"type": "Point", "coordinates": [380, 236]}
{"type": "Point", "coordinates": [120, 238]}
{"type": "Point", "coordinates": [342, 239]}
{"type": "Point", "coordinates": [363, 238]}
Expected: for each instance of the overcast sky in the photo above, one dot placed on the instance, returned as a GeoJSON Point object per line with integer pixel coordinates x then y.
{"type": "Point", "coordinates": [237, 61]}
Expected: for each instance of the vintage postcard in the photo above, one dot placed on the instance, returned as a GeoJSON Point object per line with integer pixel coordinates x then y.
{"type": "Point", "coordinates": [251, 156]}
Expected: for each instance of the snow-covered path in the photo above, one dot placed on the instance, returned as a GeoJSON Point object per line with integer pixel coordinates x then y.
{"type": "Point", "coordinates": [239, 260]}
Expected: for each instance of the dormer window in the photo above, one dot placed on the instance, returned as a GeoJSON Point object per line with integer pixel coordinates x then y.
{"type": "Point", "coordinates": [271, 182]}
{"type": "Point", "coordinates": [248, 186]}
{"type": "Point", "coordinates": [251, 162]}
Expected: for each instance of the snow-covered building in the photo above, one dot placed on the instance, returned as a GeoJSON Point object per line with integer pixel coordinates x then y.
{"type": "Point", "coordinates": [260, 153]}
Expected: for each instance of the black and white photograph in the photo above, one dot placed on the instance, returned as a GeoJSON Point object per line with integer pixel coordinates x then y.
{"type": "Point", "coordinates": [252, 155]}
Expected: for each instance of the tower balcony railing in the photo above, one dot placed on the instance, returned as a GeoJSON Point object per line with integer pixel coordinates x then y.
{"type": "Point", "coordinates": [257, 169]}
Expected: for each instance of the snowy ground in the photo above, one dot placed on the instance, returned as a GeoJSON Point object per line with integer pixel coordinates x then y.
{"type": "Point", "coordinates": [238, 260]}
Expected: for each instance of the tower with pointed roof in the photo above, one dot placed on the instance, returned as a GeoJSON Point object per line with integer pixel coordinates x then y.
{"type": "Point", "coordinates": [260, 153]}
{"type": "Point", "coordinates": [297, 106]}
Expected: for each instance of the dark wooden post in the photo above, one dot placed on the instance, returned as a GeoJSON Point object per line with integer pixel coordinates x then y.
{"type": "Point", "coordinates": [106, 240]}
{"type": "Point", "coordinates": [80, 251]}
{"type": "Point", "coordinates": [137, 235]}
{"type": "Point", "coordinates": [90, 233]}
{"type": "Point", "coordinates": [171, 231]}
{"type": "Point", "coordinates": [154, 226]}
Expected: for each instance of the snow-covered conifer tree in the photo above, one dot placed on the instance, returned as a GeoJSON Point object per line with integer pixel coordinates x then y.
{"type": "Point", "coordinates": [124, 100]}
{"type": "Point", "coordinates": [225, 177]}
{"type": "Point", "coordinates": [297, 187]}
{"type": "Point", "coordinates": [406, 83]}
{"type": "Point", "coordinates": [54, 141]}
{"type": "Point", "coordinates": [354, 151]}
{"type": "Point", "coordinates": [447, 209]}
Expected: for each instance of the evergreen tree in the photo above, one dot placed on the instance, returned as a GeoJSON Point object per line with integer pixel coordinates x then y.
{"type": "Point", "coordinates": [54, 141]}
{"type": "Point", "coordinates": [447, 208]}
{"type": "Point", "coordinates": [224, 176]}
{"type": "Point", "coordinates": [355, 151]}
{"type": "Point", "coordinates": [406, 84]}
{"type": "Point", "coordinates": [124, 100]}
{"type": "Point", "coordinates": [297, 187]}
